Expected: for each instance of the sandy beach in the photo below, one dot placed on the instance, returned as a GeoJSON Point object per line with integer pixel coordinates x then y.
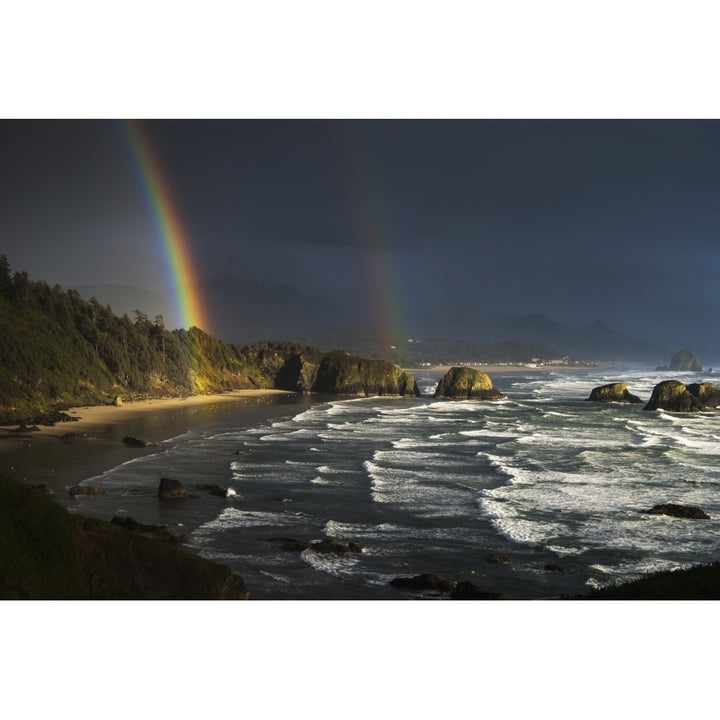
{"type": "Point", "coordinates": [43, 457]}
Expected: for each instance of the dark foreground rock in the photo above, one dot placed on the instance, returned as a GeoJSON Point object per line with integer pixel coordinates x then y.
{"type": "Point", "coordinates": [170, 489]}
{"type": "Point", "coordinates": [157, 532]}
{"type": "Point", "coordinates": [674, 396]}
{"type": "Point", "coordinates": [326, 545]}
{"type": "Point", "coordinates": [51, 554]}
{"type": "Point", "coordinates": [75, 437]}
{"type": "Point", "coordinates": [465, 590]}
{"type": "Point", "coordinates": [680, 511]}
{"type": "Point", "coordinates": [426, 581]}
{"type": "Point", "coordinates": [464, 383]}
{"type": "Point", "coordinates": [701, 582]}
{"type": "Point", "coordinates": [137, 442]}
{"type": "Point", "coordinates": [613, 392]}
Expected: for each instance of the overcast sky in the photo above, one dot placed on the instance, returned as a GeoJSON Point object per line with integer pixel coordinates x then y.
{"type": "Point", "coordinates": [578, 220]}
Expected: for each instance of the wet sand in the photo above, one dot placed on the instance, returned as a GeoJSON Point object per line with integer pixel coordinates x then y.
{"type": "Point", "coordinates": [42, 457]}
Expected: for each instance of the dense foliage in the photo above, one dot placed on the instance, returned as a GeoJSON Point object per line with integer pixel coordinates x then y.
{"type": "Point", "coordinates": [57, 349]}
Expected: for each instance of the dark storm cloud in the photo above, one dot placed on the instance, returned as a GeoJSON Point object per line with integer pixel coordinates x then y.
{"type": "Point", "coordinates": [581, 220]}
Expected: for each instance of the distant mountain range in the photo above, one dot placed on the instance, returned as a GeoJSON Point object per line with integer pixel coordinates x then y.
{"type": "Point", "coordinates": [245, 311]}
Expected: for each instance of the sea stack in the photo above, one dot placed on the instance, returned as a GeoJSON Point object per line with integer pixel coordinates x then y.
{"type": "Point", "coordinates": [686, 361]}
{"type": "Point", "coordinates": [614, 392]}
{"type": "Point", "coordinates": [464, 383]}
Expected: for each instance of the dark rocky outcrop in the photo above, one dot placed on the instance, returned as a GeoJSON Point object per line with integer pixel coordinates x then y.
{"type": "Point", "coordinates": [136, 442]}
{"type": "Point", "coordinates": [326, 545]}
{"type": "Point", "coordinates": [679, 511]}
{"type": "Point", "coordinates": [613, 392]}
{"type": "Point", "coordinates": [339, 373]}
{"type": "Point", "coordinates": [464, 383]}
{"type": "Point", "coordinates": [686, 361]}
{"type": "Point", "coordinates": [426, 581]}
{"type": "Point", "coordinates": [51, 554]}
{"type": "Point", "coordinates": [674, 396]}
{"type": "Point", "coordinates": [86, 490]}
{"type": "Point", "coordinates": [214, 489]}
{"type": "Point", "coordinates": [497, 559]}
{"type": "Point", "coordinates": [170, 489]}
{"type": "Point", "coordinates": [74, 437]}
{"type": "Point", "coordinates": [465, 590]}
{"type": "Point", "coordinates": [554, 567]}
{"type": "Point", "coordinates": [158, 532]}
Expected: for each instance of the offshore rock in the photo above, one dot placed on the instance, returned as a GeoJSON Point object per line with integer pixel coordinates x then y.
{"type": "Point", "coordinates": [686, 361]}
{"type": "Point", "coordinates": [614, 392]}
{"type": "Point", "coordinates": [680, 511]}
{"type": "Point", "coordinates": [464, 383]}
{"type": "Point", "coordinates": [171, 489]}
{"type": "Point", "coordinates": [426, 581]}
{"type": "Point", "coordinates": [326, 545]}
{"type": "Point", "coordinates": [674, 396]}
{"type": "Point", "coordinates": [136, 442]}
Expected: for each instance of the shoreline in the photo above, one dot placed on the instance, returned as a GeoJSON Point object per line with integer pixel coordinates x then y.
{"type": "Point", "coordinates": [42, 458]}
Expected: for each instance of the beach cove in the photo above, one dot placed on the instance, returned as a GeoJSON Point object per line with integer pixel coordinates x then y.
{"type": "Point", "coordinates": [41, 457]}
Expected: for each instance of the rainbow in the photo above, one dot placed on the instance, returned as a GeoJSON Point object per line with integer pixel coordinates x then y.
{"type": "Point", "coordinates": [178, 263]}
{"type": "Point", "coordinates": [378, 250]}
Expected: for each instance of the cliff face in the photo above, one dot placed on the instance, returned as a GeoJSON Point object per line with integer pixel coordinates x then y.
{"type": "Point", "coordinates": [49, 554]}
{"type": "Point", "coordinates": [464, 383]}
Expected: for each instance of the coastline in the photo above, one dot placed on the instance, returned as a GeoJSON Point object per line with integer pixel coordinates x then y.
{"type": "Point", "coordinates": [41, 457]}
{"type": "Point", "coordinates": [504, 368]}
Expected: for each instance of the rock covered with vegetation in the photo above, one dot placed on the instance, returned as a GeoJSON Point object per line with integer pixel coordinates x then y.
{"type": "Point", "coordinates": [464, 383]}
{"type": "Point", "coordinates": [49, 554]}
{"type": "Point", "coordinates": [674, 396]}
{"type": "Point", "coordinates": [613, 392]}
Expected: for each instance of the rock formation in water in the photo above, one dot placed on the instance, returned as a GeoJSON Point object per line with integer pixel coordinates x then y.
{"type": "Point", "coordinates": [674, 396]}
{"type": "Point", "coordinates": [686, 361]}
{"type": "Point", "coordinates": [680, 511]}
{"type": "Point", "coordinates": [464, 383]}
{"type": "Point", "coordinates": [339, 373]}
{"type": "Point", "coordinates": [613, 392]}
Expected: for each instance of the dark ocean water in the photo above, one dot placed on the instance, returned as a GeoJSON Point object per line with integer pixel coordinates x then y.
{"type": "Point", "coordinates": [542, 478]}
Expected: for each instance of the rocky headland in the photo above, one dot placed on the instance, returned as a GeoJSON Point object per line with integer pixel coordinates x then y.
{"type": "Point", "coordinates": [464, 383]}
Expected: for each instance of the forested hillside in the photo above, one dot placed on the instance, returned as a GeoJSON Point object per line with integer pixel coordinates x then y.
{"type": "Point", "coordinates": [58, 350]}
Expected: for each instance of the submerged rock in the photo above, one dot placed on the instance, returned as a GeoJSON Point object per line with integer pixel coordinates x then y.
{"type": "Point", "coordinates": [464, 383]}
{"type": "Point", "coordinates": [680, 511]}
{"type": "Point", "coordinates": [214, 489]}
{"type": "Point", "coordinates": [86, 490]}
{"type": "Point", "coordinates": [613, 392]}
{"type": "Point", "coordinates": [326, 545]}
{"type": "Point", "coordinates": [159, 532]}
{"type": "Point", "coordinates": [136, 442]}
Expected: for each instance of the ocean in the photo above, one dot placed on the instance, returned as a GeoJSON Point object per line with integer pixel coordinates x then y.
{"type": "Point", "coordinates": [536, 496]}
